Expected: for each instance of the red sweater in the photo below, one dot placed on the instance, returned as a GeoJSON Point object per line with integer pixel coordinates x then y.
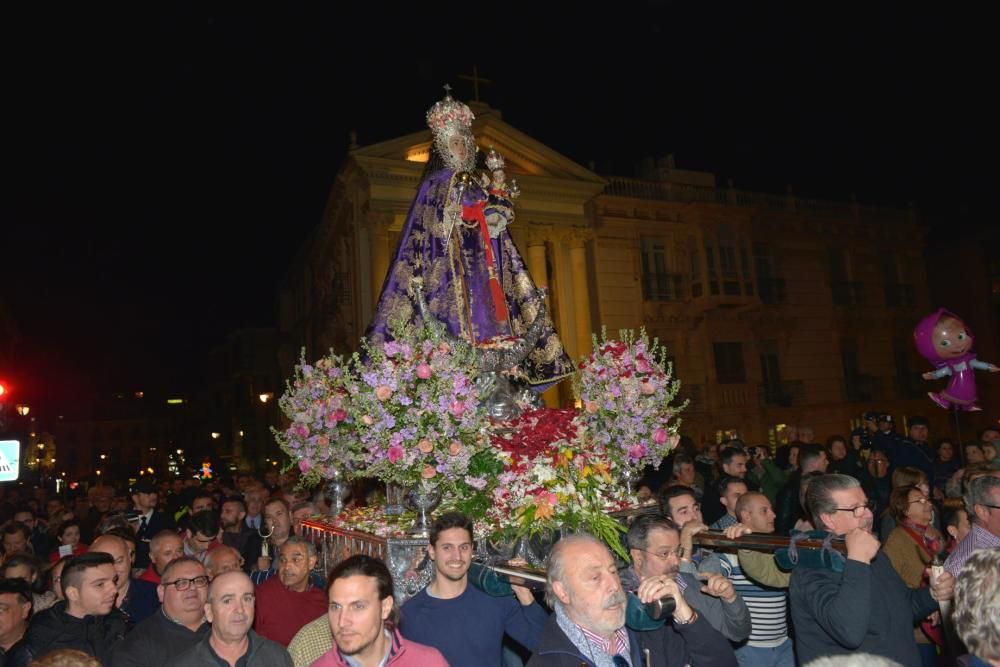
{"type": "Point", "coordinates": [280, 613]}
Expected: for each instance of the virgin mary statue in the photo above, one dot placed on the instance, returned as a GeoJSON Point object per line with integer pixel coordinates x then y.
{"type": "Point", "coordinates": [456, 241]}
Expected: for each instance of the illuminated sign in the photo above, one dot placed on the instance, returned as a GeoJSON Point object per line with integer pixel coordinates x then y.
{"type": "Point", "coordinates": [10, 460]}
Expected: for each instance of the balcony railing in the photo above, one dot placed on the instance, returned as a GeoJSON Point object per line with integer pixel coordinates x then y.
{"type": "Point", "coordinates": [658, 190]}
{"type": "Point", "coordinates": [781, 394]}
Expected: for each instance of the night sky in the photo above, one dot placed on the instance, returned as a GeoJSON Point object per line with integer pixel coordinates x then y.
{"type": "Point", "coordinates": [164, 164]}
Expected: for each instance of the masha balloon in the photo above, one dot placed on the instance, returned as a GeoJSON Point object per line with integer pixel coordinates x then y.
{"type": "Point", "coordinates": [943, 339]}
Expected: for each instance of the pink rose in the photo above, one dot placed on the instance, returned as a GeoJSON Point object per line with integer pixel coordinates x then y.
{"type": "Point", "coordinates": [339, 415]}
{"type": "Point", "coordinates": [458, 408]}
{"type": "Point", "coordinates": [425, 446]}
{"type": "Point", "coordinates": [647, 388]}
{"type": "Point", "coordinates": [367, 420]}
{"type": "Point", "coordinates": [383, 393]}
{"type": "Point", "coordinates": [637, 451]}
{"type": "Point", "coordinates": [643, 366]}
{"type": "Point", "coordinates": [455, 448]}
{"type": "Point", "coordinates": [660, 436]}
{"type": "Point", "coordinates": [395, 454]}
{"type": "Point", "coordinates": [301, 430]}
{"type": "Point", "coordinates": [304, 465]}
{"type": "Point", "coordinates": [428, 472]}
{"type": "Point", "coordinates": [592, 407]}
{"type": "Point", "coordinates": [424, 372]}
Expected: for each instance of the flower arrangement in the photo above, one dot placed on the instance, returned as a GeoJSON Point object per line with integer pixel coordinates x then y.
{"type": "Point", "coordinates": [625, 388]}
{"type": "Point", "coordinates": [417, 410]}
{"type": "Point", "coordinates": [322, 435]}
{"type": "Point", "coordinates": [550, 481]}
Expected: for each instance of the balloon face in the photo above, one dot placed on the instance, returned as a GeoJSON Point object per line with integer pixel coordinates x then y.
{"type": "Point", "coordinates": [951, 340]}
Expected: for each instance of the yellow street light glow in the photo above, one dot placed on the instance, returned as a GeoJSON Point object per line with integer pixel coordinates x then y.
{"type": "Point", "coordinates": [266, 396]}
{"type": "Point", "coordinates": [23, 410]}
{"type": "Point", "coordinates": [98, 472]}
{"type": "Point", "coordinates": [215, 435]}
{"type": "Point", "coordinates": [174, 401]}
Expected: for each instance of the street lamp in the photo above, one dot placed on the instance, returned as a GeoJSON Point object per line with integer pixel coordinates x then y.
{"type": "Point", "coordinates": [23, 410]}
{"type": "Point", "coordinates": [266, 396]}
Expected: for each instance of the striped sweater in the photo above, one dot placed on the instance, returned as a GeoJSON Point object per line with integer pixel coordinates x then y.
{"type": "Point", "coordinates": [768, 606]}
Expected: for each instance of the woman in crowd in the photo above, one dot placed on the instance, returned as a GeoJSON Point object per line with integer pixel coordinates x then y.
{"type": "Point", "coordinates": [911, 547]}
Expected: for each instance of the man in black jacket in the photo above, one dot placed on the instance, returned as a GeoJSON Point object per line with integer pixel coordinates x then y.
{"type": "Point", "coordinates": [857, 604]}
{"type": "Point", "coordinates": [151, 521]}
{"type": "Point", "coordinates": [87, 620]}
{"type": "Point", "coordinates": [588, 626]}
{"type": "Point", "coordinates": [179, 623]}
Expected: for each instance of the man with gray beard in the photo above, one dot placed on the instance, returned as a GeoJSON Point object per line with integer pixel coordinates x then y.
{"type": "Point", "coordinates": [588, 626]}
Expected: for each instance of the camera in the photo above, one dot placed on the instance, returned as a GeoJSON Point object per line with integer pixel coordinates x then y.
{"type": "Point", "coordinates": [756, 452]}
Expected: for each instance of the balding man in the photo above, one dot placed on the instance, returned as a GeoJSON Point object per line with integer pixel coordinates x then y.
{"type": "Point", "coordinates": [230, 610]}
{"type": "Point", "coordinates": [769, 644]}
{"type": "Point", "coordinates": [223, 559]}
{"type": "Point", "coordinates": [179, 623]}
{"type": "Point", "coordinates": [588, 626]}
{"type": "Point", "coordinates": [136, 598]}
{"type": "Point", "coordinates": [165, 547]}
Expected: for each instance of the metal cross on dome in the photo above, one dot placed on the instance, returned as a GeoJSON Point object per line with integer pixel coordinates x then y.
{"type": "Point", "coordinates": [476, 80]}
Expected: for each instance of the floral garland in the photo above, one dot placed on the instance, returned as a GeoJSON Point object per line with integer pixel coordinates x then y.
{"type": "Point", "coordinates": [550, 481]}
{"type": "Point", "coordinates": [625, 388]}
{"type": "Point", "coordinates": [322, 435]}
{"type": "Point", "coordinates": [407, 411]}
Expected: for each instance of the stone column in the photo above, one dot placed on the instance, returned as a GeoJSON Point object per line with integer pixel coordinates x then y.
{"type": "Point", "coordinates": [378, 247]}
{"type": "Point", "coordinates": [577, 241]}
{"type": "Point", "coordinates": [537, 263]}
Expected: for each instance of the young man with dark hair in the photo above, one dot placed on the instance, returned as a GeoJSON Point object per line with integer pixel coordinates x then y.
{"type": "Point", "coordinates": [363, 618]}
{"type": "Point", "coordinates": [237, 534]}
{"type": "Point", "coordinates": [86, 620]}
{"type": "Point", "coordinates": [459, 620]}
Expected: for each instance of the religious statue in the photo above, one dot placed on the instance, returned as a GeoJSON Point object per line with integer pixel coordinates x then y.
{"type": "Point", "coordinates": [455, 241]}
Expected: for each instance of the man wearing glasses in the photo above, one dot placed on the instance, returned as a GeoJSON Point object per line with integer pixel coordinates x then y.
{"type": "Point", "coordinates": [857, 603]}
{"type": "Point", "coordinates": [982, 502]}
{"type": "Point", "coordinates": [180, 622]}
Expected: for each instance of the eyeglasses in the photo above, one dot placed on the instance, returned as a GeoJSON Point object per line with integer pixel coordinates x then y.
{"type": "Point", "coordinates": [922, 501]}
{"type": "Point", "coordinates": [665, 554]}
{"type": "Point", "coordinates": [184, 584]}
{"type": "Point", "coordinates": [858, 511]}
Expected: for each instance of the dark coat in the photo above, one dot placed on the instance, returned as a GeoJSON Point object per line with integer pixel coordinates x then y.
{"type": "Point", "coordinates": [261, 653]}
{"type": "Point", "coordinates": [157, 522]}
{"type": "Point", "coordinates": [697, 644]}
{"type": "Point", "coordinates": [54, 629]}
{"type": "Point", "coordinates": [155, 641]}
{"type": "Point", "coordinates": [866, 608]}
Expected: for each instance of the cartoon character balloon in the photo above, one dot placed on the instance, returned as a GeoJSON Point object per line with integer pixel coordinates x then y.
{"type": "Point", "coordinates": [943, 339]}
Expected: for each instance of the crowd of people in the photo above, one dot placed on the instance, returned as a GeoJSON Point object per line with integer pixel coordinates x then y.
{"type": "Point", "coordinates": [220, 573]}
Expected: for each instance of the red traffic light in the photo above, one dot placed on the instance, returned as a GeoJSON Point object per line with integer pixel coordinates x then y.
{"type": "Point", "coordinates": [3, 390]}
